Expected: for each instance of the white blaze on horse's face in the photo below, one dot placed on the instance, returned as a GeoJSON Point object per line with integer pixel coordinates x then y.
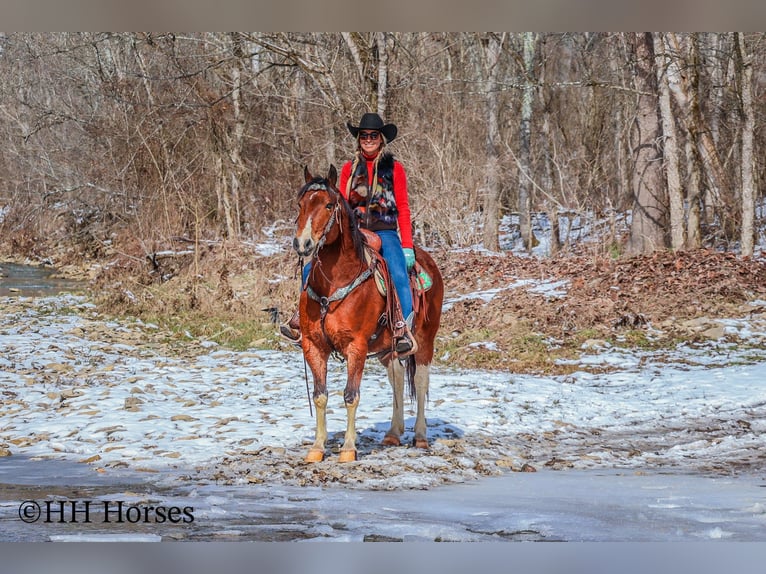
{"type": "Point", "coordinates": [303, 242]}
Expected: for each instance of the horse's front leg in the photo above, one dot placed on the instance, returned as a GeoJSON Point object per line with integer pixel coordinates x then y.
{"type": "Point", "coordinates": [356, 355]}
{"type": "Point", "coordinates": [317, 361]}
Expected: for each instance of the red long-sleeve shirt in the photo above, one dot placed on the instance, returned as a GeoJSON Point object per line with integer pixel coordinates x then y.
{"type": "Point", "coordinates": [404, 218]}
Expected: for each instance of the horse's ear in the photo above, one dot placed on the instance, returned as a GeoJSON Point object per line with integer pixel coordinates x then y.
{"type": "Point", "coordinates": [307, 173]}
{"type": "Point", "coordinates": [332, 175]}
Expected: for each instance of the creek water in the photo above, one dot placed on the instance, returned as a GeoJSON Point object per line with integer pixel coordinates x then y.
{"type": "Point", "coordinates": [34, 281]}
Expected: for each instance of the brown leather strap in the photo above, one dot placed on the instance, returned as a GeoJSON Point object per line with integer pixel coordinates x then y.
{"type": "Point", "coordinates": [393, 308]}
{"type": "Point", "coordinates": [418, 295]}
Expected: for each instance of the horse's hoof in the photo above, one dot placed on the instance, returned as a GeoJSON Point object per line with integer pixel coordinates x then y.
{"type": "Point", "coordinates": [420, 443]}
{"type": "Point", "coordinates": [315, 455]}
{"type": "Point", "coordinates": [347, 456]}
{"type": "Point", "coordinates": [391, 440]}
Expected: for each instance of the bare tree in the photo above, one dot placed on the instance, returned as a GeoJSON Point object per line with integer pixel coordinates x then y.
{"type": "Point", "coordinates": [139, 139]}
{"type": "Point", "coordinates": [525, 134]}
{"type": "Point", "coordinates": [381, 40]}
{"type": "Point", "coordinates": [648, 223]}
{"type": "Point", "coordinates": [547, 177]}
{"type": "Point", "coordinates": [492, 49]}
{"type": "Point", "coordinates": [670, 147]}
{"type": "Point", "coordinates": [685, 88]}
{"type": "Point", "coordinates": [745, 75]}
{"type": "Point", "coordinates": [370, 54]}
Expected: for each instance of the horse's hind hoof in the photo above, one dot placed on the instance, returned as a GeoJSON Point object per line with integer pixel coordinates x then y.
{"type": "Point", "coordinates": [391, 440]}
{"type": "Point", "coordinates": [315, 455]}
{"type": "Point", "coordinates": [420, 443]}
{"type": "Point", "coordinates": [347, 456]}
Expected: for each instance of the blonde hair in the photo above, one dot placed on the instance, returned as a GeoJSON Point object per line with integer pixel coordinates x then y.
{"type": "Point", "coordinates": [357, 158]}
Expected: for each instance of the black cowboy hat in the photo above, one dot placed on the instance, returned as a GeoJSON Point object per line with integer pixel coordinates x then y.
{"type": "Point", "coordinates": [372, 121]}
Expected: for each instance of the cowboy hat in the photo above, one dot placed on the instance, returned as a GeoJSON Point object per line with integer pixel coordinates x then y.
{"type": "Point", "coordinates": [372, 121]}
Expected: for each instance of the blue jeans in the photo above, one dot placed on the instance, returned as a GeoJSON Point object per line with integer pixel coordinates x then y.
{"type": "Point", "coordinates": [397, 267]}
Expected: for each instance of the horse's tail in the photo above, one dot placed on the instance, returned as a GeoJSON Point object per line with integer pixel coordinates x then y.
{"type": "Point", "coordinates": [409, 374]}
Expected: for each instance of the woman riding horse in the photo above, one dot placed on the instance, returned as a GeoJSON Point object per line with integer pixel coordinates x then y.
{"type": "Point", "coordinates": [375, 186]}
{"type": "Point", "coordinates": [342, 311]}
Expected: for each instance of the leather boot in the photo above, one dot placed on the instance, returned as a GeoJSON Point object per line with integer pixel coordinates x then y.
{"type": "Point", "coordinates": [406, 344]}
{"type": "Point", "coordinates": [292, 329]}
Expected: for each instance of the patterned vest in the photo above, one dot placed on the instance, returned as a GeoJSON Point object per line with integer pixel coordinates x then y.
{"type": "Point", "coordinates": [375, 210]}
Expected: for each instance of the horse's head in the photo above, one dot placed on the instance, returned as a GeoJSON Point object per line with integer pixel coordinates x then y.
{"type": "Point", "coordinates": [319, 204]}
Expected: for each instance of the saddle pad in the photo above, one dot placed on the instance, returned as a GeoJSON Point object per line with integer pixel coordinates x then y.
{"type": "Point", "coordinates": [380, 282]}
{"type": "Point", "coordinates": [423, 281]}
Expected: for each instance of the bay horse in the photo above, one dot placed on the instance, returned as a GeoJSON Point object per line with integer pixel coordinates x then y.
{"type": "Point", "coordinates": [341, 310]}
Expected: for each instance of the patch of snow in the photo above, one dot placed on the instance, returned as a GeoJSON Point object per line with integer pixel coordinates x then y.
{"type": "Point", "coordinates": [67, 394]}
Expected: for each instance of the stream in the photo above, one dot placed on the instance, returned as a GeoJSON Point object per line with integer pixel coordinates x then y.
{"type": "Point", "coordinates": [34, 281]}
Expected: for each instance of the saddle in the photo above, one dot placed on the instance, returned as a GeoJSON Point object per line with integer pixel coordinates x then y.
{"type": "Point", "coordinates": [420, 280]}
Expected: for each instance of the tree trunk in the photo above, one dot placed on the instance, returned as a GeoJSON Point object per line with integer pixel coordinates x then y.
{"type": "Point", "coordinates": [552, 202]}
{"type": "Point", "coordinates": [693, 196]}
{"type": "Point", "coordinates": [371, 59]}
{"type": "Point", "coordinates": [352, 42]}
{"type": "Point", "coordinates": [670, 147]}
{"type": "Point", "coordinates": [492, 49]}
{"type": "Point", "coordinates": [649, 193]}
{"type": "Point", "coordinates": [745, 75]}
{"type": "Point", "coordinates": [233, 217]}
{"type": "Point", "coordinates": [686, 93]}
{"type": "Point", "coordinates": [622, 153]}
{"type": "Point", "coordinates": [525, 136]}
{"type": "Point", "coordinates": [381, 39]}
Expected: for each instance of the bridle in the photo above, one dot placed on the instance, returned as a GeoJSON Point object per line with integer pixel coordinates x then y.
{"type": "Point", "coordinates": [334, 216]}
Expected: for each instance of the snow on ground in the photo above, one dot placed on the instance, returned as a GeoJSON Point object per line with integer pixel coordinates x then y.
{"type": "Point", "coordinates": [549, 289]}
{"type": "Point", "coordinates": [632, 446]}
{"type": "Point", "coordinates": [69, 390]}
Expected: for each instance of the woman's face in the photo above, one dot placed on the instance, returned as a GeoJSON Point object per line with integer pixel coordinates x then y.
{"type": "Point", "coordinates": [370, 141]}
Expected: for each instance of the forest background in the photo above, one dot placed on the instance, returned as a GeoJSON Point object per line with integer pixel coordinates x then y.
{"type": "Point", "coordinates": [154, 157]}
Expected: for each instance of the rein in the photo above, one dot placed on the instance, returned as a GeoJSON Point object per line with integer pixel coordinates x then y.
{"type": "Point", "coordinates": [330, 222]}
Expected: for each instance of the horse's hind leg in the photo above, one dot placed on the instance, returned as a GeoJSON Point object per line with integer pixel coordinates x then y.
{"type": "Point", "coordinates": [396, 378]}
{"type": "Point", "coordinates": [422, 377]}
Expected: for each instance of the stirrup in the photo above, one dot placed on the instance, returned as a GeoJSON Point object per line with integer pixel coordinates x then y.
{"type": "Point", "coordinates": [292, 329]}
{"type": "Point", "coordinates": [406, 344]}
{"type": "Point", "coordinates": [404, 347]}
{"type": "Point", "coordinates": [291, 335]}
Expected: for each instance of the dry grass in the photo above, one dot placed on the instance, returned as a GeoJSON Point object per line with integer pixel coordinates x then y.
{"type": "Point", "coordinates": [228, 293]}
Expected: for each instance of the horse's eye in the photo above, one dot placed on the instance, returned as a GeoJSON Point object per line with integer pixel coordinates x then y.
{"type": "Point", "coordinates": [330, 205]}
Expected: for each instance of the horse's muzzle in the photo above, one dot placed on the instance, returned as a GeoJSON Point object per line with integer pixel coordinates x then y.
{"type": "Point", "coordinates": [303, 246]}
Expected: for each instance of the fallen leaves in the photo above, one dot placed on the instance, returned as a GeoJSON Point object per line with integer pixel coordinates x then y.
{"type": "Point", "coordinates": [604, 297]}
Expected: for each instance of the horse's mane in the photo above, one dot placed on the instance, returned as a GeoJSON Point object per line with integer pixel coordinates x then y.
{"type": "Point", "coordinates": [352, 227]}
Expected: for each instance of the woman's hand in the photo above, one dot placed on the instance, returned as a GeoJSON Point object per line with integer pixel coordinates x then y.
{"type": "Point", "coordinates": [409, 257]}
